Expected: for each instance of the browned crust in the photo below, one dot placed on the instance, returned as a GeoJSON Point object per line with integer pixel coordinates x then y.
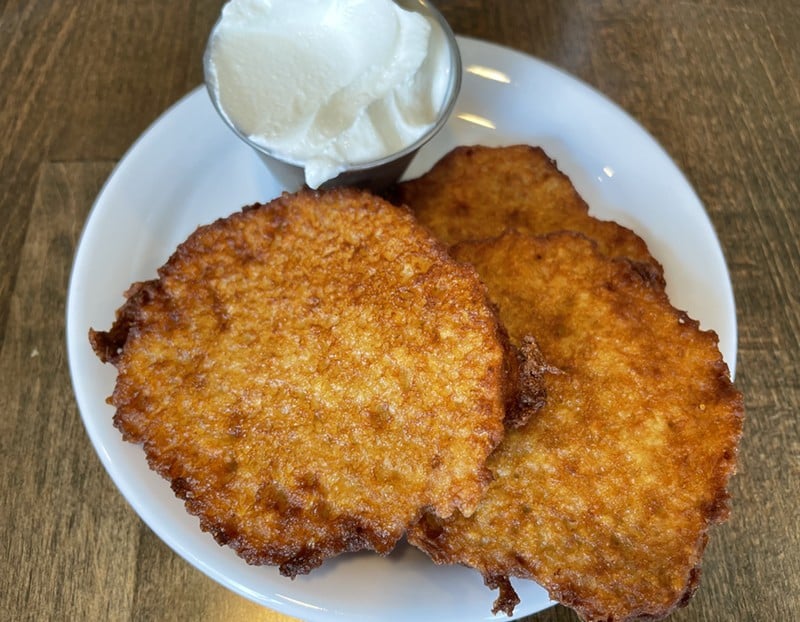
{"type": "Point", "coordinates": [606, 496]}
{"type": "Point", "coordinates": [108, 344]}
{"type": "Point", "coordinates": [311, 374]}
{"type": "Point", "coordinates": [531, 394]}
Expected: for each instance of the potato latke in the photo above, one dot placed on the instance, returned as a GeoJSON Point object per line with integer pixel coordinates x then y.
{"type": "Point", "coordinates": [477, 192]}
{"type": "Point", "coordinates": [311, 374]}
{"type": "Point", "coordinates": [605, 497]}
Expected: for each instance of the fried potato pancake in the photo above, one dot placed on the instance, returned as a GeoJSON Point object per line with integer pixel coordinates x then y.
{"type": "Point", "coordinates": [605, 497]}
{"type": "Point", "coordinates": [311, 374]}
{"type": "Point", "coordinates": [477, 192]}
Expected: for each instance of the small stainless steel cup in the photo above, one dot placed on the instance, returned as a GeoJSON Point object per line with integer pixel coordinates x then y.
{"type": "Point", "coordinates": [375, 174]}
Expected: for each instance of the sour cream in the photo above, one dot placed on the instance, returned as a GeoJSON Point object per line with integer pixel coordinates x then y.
{"type": "Point", "coordinates": [324, 84]}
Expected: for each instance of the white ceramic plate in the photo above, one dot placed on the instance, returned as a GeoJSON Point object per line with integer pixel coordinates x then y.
{"type": "Point", "coordinates": [189, 169]}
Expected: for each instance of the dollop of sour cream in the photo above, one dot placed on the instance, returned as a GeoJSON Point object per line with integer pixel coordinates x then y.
{"type": "Point", "coordinates": [327, 83]}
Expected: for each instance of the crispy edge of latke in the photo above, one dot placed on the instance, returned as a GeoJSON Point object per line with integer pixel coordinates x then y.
{"type": "Point", "coordinates": [291, 560]}
{"type": "Point", "coordinates": [108, 345]}
{"type": "Point", "coordinates": [531, 389]}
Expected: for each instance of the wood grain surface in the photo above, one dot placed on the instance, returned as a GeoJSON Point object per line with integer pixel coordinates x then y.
{"type": "Point", "coordinates": [717, 83]}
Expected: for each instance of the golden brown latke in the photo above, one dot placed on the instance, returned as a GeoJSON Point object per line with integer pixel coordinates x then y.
{"type": "Point", "coordinates": [605, 497]}
{"type": "Point", "coordinates": [310, 374]}
{"type": "Point", "coordinates": [477, 192]}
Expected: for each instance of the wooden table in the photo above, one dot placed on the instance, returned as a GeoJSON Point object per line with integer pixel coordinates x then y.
{"type": "Point", "coordinates": [717, 83]}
